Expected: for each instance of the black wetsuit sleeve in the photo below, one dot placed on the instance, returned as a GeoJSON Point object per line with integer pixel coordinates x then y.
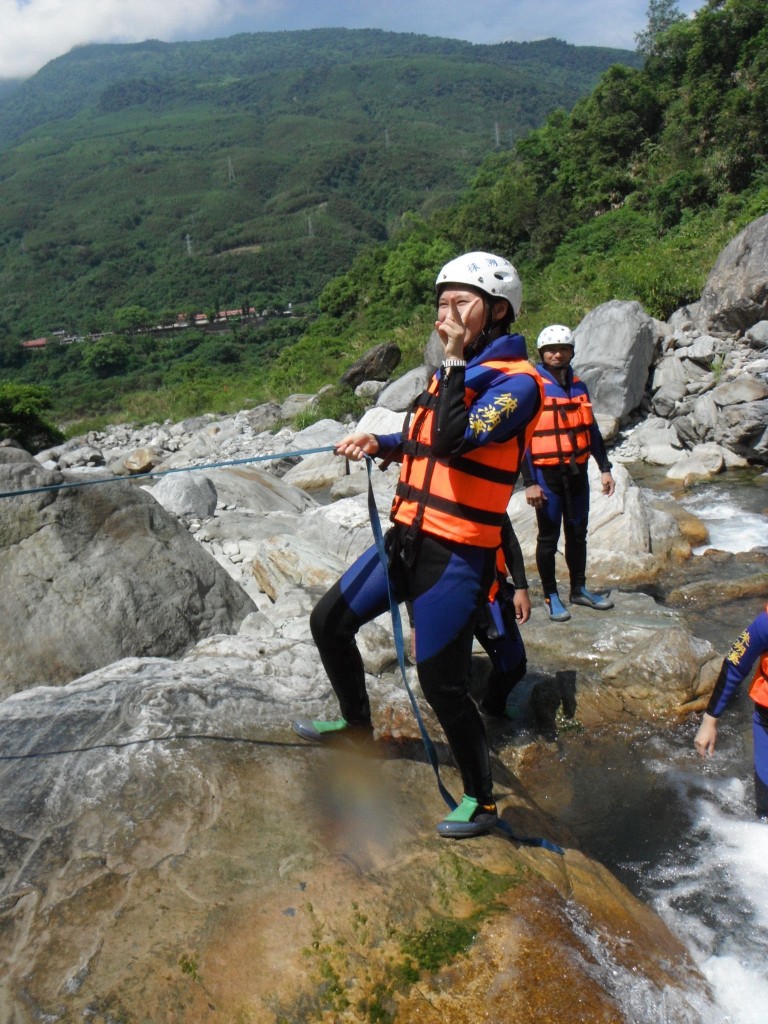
{"type": "Point", "coordinates": [598, 450]}
{"type": "Point", "coordinates": [496, 414]}
{"type": "Point", "coordinates": [526, 469]}
{"type": "Point", "coordinates": [513, 555]}
{"type": "Point", "coordinates": [451, 413]}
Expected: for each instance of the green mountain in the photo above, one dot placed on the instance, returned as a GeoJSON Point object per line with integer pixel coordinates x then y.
{"type": "Point", "coordinates": [631, 195]}
{"type": "Point", "coordinates": [199, 176]}
{"type": "Point", "coordinates": [9, 86]}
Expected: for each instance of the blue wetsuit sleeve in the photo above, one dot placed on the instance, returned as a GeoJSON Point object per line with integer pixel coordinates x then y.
{"type": "Point", "coordinates": [390, 448]}
{"type": "Point", "coordinates": [388, 442]}
{"type": "Point", "coordinates": [738, 663]}
{"type": "Point", "coordinates": [495, 415]}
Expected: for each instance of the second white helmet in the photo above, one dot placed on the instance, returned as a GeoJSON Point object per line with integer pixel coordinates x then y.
{"type": "Point", "coordinates": [555, 334]}
{"type": "Point", "coordinates": [491, 274]}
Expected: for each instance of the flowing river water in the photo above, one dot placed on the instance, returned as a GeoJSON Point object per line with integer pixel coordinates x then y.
{"type": "Point", "coordinates": [678, 831]}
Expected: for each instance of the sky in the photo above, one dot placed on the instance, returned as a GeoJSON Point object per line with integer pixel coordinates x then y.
{"type": "Point", "coordinates": [33, 32]}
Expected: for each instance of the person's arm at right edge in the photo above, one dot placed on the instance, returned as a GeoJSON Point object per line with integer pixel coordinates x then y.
{"type": "Point", "coordinates": [737, 664]}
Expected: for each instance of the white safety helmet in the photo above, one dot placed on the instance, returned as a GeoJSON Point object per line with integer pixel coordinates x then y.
{"type": "Point", "coordinates": [491, 274]}
{"type": "Point", "coordinates": [555, 334]}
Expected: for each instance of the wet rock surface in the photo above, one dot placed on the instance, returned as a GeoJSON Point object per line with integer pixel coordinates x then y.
{"type": "Point", "coordinates": [171, 851]}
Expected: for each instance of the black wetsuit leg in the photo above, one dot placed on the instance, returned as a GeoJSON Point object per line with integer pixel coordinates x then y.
{"type": "Point", "coordinates": [359, 596]}
{"type": "Point", "coordinates": [548, 518]}
{"type": "Point", "coordinates": [507, 654]}
{"type": "Point", "coordinates": [575, 523]}
{"type": "Point", "coordinates": [448, 585]}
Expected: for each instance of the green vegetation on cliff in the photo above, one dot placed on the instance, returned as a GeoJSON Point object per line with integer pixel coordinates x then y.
{"type": "Point", "coordinates": [632, 195]}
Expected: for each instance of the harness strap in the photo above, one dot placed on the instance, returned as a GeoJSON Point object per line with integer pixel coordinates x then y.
{"type": "Point", "coordinates": [481, 470]}
{"type": "Point", "coordinates": [423, 498]}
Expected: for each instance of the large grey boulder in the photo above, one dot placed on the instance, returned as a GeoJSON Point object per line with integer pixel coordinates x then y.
{"type": "Point", "coordinates": [97, 573]}
{"type": "Point", "coordinates": [186, 494]}
{"type": "Point", "coordinates": [736, 293]}
{"type": "Point", "coordinates": [256, 490]}
{"type": "Point", "coordinates": [295, 404]}
{"type": "Point", "coordinates": [757, 335]}
{"type": "Point", "coordinates": [434, 352]}
{"type": "Point", "coordinates": [629, 539]}
{"type": "Point", "coordinates": [743, 429]}
{"type": "Point", "coordinates": [264, 417]}
{"type": "Point", "coordinates": [317, 472]}
{"type": "Point", "coordinates": [615, 346]}
{"type": "Point", "coordinates": [320, 434]}
{"type": "Point", "coordinates": [654, 440]}
{"type": "Point", "coordinates": [377, 364]}
{"type": "Point", "coordinates": [703, 461]}
{"type": "Point", "coordinates": [401, 393]}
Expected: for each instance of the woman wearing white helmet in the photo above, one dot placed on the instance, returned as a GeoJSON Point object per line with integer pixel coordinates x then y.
{"type": "Point", "coordinates": [461, 447]}
{"type": "Point", "coordinates": [555, 472]}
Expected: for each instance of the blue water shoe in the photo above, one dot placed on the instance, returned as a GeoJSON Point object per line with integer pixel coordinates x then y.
{"type": "Point", "coordinates": [591, 599]}
{"type": "Point", "coordinates": [557, 610]}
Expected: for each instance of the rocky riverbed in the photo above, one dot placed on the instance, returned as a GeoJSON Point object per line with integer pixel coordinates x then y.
{"type": "Point", "coordinates": [171, 851]}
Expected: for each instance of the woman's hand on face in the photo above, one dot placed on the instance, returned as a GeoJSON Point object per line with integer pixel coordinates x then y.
{"type": "Point", "coordinates": [356, 446]}
{"type": "Point", "coordinates": [452, 328]}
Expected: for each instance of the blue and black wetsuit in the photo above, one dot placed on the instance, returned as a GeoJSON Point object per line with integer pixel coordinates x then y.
{"type": "Point", "coordinates": [444, 582]}
{"type": "Point", "coordinates": [750, 646]}
{"type": "Point", "coordinates": [566, 488]}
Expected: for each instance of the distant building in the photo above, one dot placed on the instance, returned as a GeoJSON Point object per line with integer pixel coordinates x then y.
{"type": "Point", "coordinates": [35, 343]}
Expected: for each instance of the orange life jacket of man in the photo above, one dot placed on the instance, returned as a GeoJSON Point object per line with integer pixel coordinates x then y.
{"type": "Point", "coordinates": [562, 434]}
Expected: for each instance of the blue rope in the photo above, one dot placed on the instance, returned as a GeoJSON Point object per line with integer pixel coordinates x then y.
{"type": "Point", "coordinates": [397, 630]}
{"type": "Point", "coordinates": [166, 472]}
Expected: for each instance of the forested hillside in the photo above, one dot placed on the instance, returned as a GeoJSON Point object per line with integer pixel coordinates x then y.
{"type": "Point", "coordinates": [204, 175]}
{"type": "Point", "coordinates": [632, 195]}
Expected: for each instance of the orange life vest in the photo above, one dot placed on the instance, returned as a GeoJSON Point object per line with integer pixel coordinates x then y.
{"type": "Point", "coordinates": [758, 689]}
{"type": "Point", "coordinates": [461, 498]}
{"type": "Point", "coordinates": [562, 433]}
